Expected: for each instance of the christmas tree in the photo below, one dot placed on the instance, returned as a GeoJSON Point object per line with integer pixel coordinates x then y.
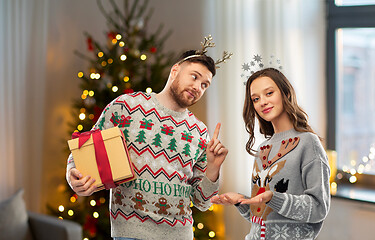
{"type": "Point", "coordinates": [130, 60]}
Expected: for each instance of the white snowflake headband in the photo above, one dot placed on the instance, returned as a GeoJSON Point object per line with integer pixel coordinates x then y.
{"type": "Point", "coordinates": [257, 64]}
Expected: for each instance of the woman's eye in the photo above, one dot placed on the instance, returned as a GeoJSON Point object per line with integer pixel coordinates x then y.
{"type": "Point", "coordinates": [255, 99]}
{"type": "Point", "coordinates": [195, 77]}
{"type": "Point", "coordinates": [269, 93]}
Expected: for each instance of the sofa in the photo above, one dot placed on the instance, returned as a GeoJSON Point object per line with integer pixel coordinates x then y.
{"type": "Point", "coordinates": [19, 224]}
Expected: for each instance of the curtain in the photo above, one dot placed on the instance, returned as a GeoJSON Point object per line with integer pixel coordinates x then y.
{"type": "Point", "coordinates": [22, 80]}
{"type": "Point", "coordinates": [291, 30]}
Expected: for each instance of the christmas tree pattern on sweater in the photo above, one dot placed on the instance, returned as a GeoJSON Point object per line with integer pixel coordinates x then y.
{"type": "Point", "coordinates": [168, 154]}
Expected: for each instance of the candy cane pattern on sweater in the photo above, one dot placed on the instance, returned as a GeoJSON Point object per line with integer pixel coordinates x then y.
{"type": "Point", "coordinates": [259, 220]}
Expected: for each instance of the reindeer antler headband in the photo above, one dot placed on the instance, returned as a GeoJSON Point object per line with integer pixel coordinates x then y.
{"type": "Point", "coordinates": [208, 42]}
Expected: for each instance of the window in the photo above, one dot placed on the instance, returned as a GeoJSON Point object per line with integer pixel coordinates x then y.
{"type": "Point", "coordinates": [351, 87]}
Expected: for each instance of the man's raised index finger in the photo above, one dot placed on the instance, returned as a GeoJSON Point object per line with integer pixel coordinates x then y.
{"type": "Point", "coordinates": [216, 132]}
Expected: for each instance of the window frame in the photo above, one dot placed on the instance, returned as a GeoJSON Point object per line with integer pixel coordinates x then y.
{"type": "Point", "coordinates": [343, 17]}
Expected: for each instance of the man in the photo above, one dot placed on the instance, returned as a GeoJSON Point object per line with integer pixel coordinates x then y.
{"type": "Point", "coordinates": [173, 158]}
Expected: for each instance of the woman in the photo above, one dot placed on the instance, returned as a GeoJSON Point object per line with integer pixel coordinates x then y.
{"type": "Point", "coordinates": [290, 181]}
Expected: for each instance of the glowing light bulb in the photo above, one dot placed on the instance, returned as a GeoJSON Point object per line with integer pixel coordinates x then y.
{"type": "Point", "coordinates": [148, 90]}
{"type": "Point", "coordinates": [200, 226]}
{"type": "Point", "coordinates": [70, 212]}
{"type": "Point", "coordinates": [85, 92]}
{"type": "Point", "coordinates": [114, 41]}
{"type": "Point", "coordinates": [93, 202]}
{"type": "Point", "coordinates": [80, 74]}
{"type": "Point", "coordinates": [79, 127]}
{"type": "Point", "coordinates": [143, 57]}
{"type": "Point", "coordinates": [118, 36]}
{"type": "Point", "coordinates": [61, 208]}
{"type": "Point", "coordinates": [126, 79]}
{"type": "Point", "coordinates": [211, 234]}
{"type": "Point", "coordinates": [82, 116]}
{"type": "Point", "coordinates": [110, 61]}
{"type": "Point", "coordinates": [352, 179]}
{"type": "Point", "coordinates": [95, 214]}
{"type": "Point", "coordinates": [123, 57]}
{"type": "Point", "coordinates": [100, 54]}
{"type": "Point", "coordinates": [114, 89]}
{"type": "Point", "coordinates": [73, 199]}
{"type": "Point", "coordinates": [104, 63]}
{"type": "Point", "coordinates": [91, 93]}
{"type": "Point", "coordinates": [121, 44]}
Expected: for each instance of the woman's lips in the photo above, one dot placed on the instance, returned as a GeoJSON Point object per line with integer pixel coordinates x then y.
{"type": "Point", "coordinates": [267, 110]}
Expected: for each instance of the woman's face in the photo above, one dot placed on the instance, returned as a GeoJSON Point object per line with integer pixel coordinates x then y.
{"type": "Point", "coordinates": [267, 99]}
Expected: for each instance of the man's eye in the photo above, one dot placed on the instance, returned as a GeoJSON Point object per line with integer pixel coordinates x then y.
{"type": "Point", "coordinates": [204, 85]}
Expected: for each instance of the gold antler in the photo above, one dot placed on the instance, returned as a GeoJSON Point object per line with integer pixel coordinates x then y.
{"type": "Point", "coordinates": [226, 56]}
{"type": "Point", "coordinates": [206, 44]}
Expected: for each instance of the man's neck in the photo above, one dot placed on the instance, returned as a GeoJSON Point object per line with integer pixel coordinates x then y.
{"type": "Point", "coordinates": [165, 99]}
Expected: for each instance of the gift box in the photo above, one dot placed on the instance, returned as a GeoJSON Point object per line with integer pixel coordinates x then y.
{"type": "Point", "coordinates": [103, 155]}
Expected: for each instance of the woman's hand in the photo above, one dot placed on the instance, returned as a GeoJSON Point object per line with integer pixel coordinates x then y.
{"type": "Point", "coordinates": [229, 198]}
{"type": "Point", "coordinates": [261, 198]}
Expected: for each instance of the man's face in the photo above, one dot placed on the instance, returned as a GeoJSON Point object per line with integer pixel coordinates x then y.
{"type": "Point", "coordinates": [190, 82]}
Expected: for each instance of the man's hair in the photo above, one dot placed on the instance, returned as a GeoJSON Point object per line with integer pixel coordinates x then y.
{"type": "Point", "coordinates": [203, 59]}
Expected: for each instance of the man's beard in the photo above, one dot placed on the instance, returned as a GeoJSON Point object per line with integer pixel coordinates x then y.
{"type": "Point", "coordinates": [178, 96]}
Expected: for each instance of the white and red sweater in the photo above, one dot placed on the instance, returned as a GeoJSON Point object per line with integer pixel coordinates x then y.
{"type": "Point", "coordinates": [167, 149]}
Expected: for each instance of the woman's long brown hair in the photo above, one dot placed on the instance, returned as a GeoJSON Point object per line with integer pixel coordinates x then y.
{"type": "Point", "coordinates": [296, 114]}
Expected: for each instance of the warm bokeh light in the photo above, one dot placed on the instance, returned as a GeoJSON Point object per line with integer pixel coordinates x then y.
{"type": "Point", "coordinates": [85, 92]}
{"type": "Point", "coordinates": [95, 214]}
{"type": "Point", "coordinates": [333, 188]}
{"type": "Point", "coordinates": [118, 36]}
{"type": "Point", "coordinates": [79, 127]}
{"type": "Point", "coordinates": [200, 225]}
{"type": "Point", "coordinates": [143, 57]}
{"type": "Point", "coordinates": [61, 208]}
{"type": "Point", "coordinates": [121, 44]}
{"type": "Point", "coordinates": [110, 61]}
{"type": "Point", "coordinates": [80, 74]}
{"type": "Point", "coordinates": [93, 202]}
{"type": "Point", "coordinates": [114, 89]}
{"type": "Point", "coordinates": [91, 116]}
{"type": "Point", "coordinates": [211, 234]}
{"type": "Point", "coordinates": [102, 200]}
{"type": "Point", "coordinates": [148, 90]}
{"type": "Point", "coordinates": [82, 116]}
{"type": "Point", "coordinates": [100, 54]}
{"type": "Point", "coordinates": [123, 57]}
{"type": "Point", "coordinates": [114, 41]}
{"type": "Point", "coordinates": [70, 212]}
{"type": "Point", "coordinates": [353, 179]}
{"type": "Point", "coordinates": [73, 199]}
{"type": "Point", "coordinates": [91, 93]}
{"type": "Point", "coordinates": [104, 63]}
{"type": "Point", "coordinates": [126, 79]}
